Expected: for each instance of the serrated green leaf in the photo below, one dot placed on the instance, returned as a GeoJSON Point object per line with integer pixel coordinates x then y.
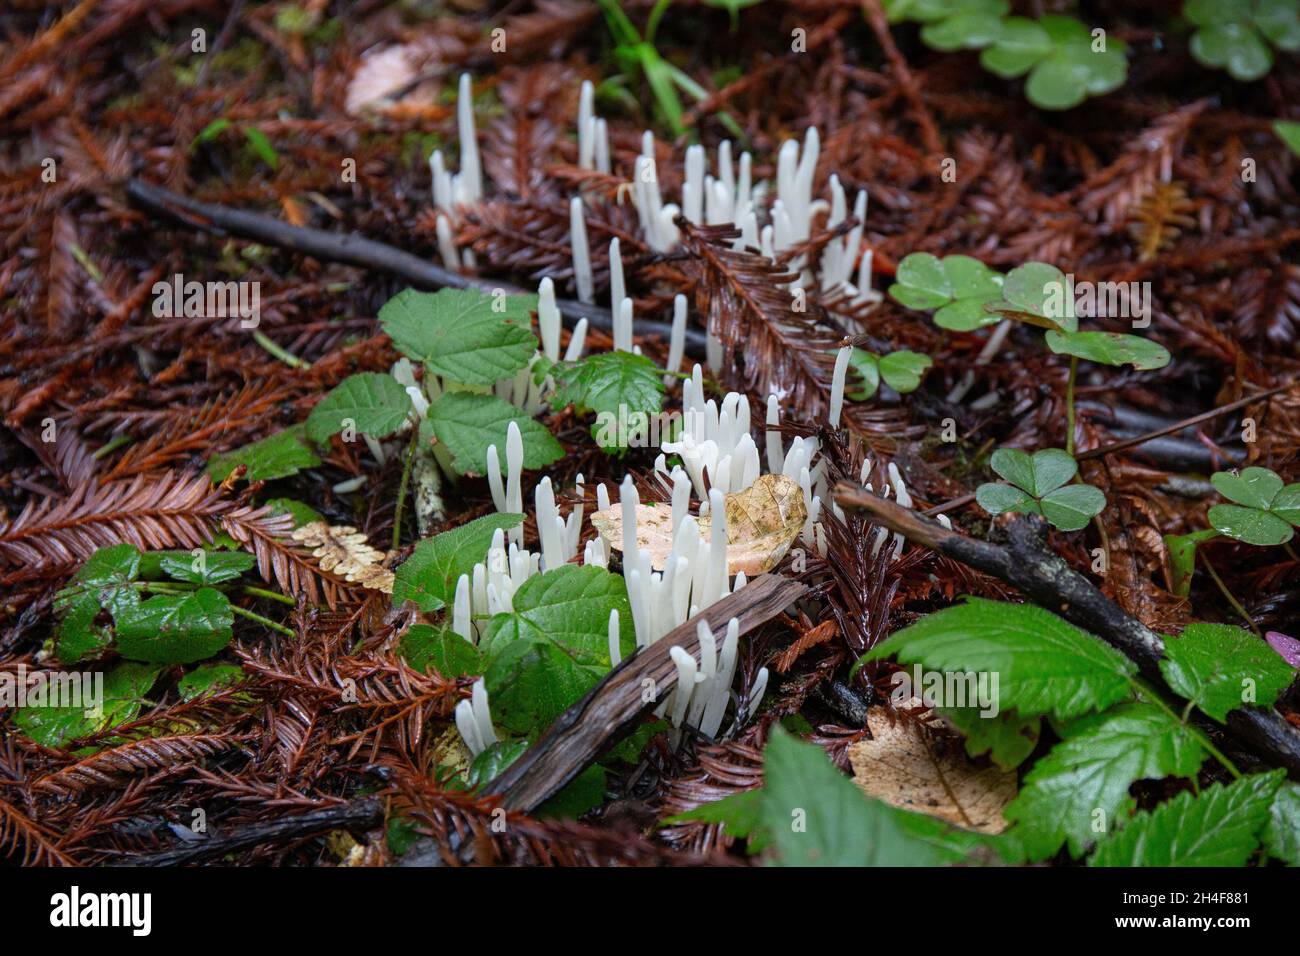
{"type": "Point", "coordinates": [1282, 832]}
{"type": "Point", "coordinates": [1109, 348]}
{"type": "Point", "coordinates": [611, 384]}
{"type": "Point", "coordinates": [1220, 668]}
{"type": "Point", "coordinates": [176, 628]}
{"type": "Point", "coordinates": [124, 689]}
{"type": "Point", "coordinates": [1045, 665]}
{"type": "Point", "coordinates": [1007, 738]}
{"type": "Point", "coordinates": [813, 815]}
{"type": "Point", "coordinates": [1072, 507]}
{"type": "Point", "coordinates": [78, 637]}
{"type": "Point", "coordinates": [463, 335]}
{"type": "Point", "coordinates": [1083, 783]}
{"type": "Point", "coordinates": [214, 567]}
{"type": "Point", "coordinates": [424, 646]}
{"type": "Point", "coordinates": [428, 577]}
{"type": "Point", "coordinates": [375, 404]}
{"type": "Point", "coordinates": [209, 679]}
{"type": "Point", "coordinates": [1250, 525]}
{"type": "Point", "coordinates": [276, 456]}
{"type": "Point", "coordinates": [1220, 826]}
{"type": "Point", "coordinates": [467, 424]}
{"type": "Point", "coordinates": [554, 646]}
{"type": "Point", "coordinates": [102, 583]}
{"type": "Point", "coordinates": [1254, 487]}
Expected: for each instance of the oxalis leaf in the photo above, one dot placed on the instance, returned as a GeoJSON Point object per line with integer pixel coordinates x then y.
{"type": "Point", "coordinates": [554, 646]}
{"type": "Point", "coordinates": [1220, 668]}
{"type": "Point", "coordinates": [1221, 826]}
{"type": "Point", "coordinates": [807, 813]}
{"type": "Point", "coordinates": [1041, 488]}
{"type": "Point", "coordinates": [957, 286]}
{"type": "Point", "coordinates": [623, 389]}
{"type": "Point", "coordinates": [428, 577]}
{"type": "Point", "coordinates": [1081, 787]}
{"type": "Point", "coordinates": [467, 424]}
{"type": "Point", "coordinates": [467, 336]}
{"type": "Point", "coordinates": [1043, 665]}
{"type": "Point", "coordinates": [1109, 348]}
{"type": "Point", "coordinates": [372, 403]}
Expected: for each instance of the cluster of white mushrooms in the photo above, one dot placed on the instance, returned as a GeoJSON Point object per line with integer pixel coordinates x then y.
{"type": "Point", "coordinates": [715, 444]}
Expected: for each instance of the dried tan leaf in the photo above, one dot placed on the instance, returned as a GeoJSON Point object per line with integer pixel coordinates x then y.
{"type": "Point", "coordinates": [762, 523]}
{"type": "Point", "coordinates": [925, 770]}
{"type": "Point", "coordinates": [345, 551]}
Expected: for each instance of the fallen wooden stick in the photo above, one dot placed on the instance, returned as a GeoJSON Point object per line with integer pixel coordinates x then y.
{"type": "Point", "coordinates": [355, 250]}
{"type": "Point", "coordinates": [1054, 585]}
{"type": "Point", "coordinates": [614, 707]}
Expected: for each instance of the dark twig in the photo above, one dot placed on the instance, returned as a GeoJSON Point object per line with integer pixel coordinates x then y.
{"type": "Point", "coordinates": [1052, 584]}
{"type": "Point", "coordinates": [355, 250]}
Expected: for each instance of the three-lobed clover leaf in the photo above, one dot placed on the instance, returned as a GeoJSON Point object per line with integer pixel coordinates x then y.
{"type": "Point", "coordinates": [965, 25]}
{"type": "Point", "coordinates": [1263, 512]}
{"type": "Point", "coordinates": [1077, 66]}
{"type": "Point", "coordinates": [1039, 486]}
{"type": "Point", "coordinates": [1039, 294]}
{"type": "Point", "coordinates": [1234, 35]}
{"type": "Point", "coordinates": [957, 287]}
{"type": "Point", "coordinates": [902, 371]}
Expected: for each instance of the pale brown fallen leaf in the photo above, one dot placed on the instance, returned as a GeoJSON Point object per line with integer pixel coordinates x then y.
{"type": "Point", "coordinates": [345, 551]}
{"type": "Point", "coordinates": [930, 773]}
{"type": "Point", "coordinates": [762, 522]}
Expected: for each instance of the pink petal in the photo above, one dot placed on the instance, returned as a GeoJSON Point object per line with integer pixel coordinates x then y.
{"type": "Point", "coordinates": [1288, 647]}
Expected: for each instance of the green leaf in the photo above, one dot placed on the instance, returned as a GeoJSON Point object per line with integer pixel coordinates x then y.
{"type": "Point", "coordinates": [494, 761]}
{"type": "Point", "coordinates": [1044, 664]}
{"type": "Point", "coordinates": [554, 646]}
{"type": "Point", "coordinates": [375, 404]}
{"type": "Point", "coordinates": [964, 31]}
{"type": "Point", "coordinates": [1236, 47]}
{"type": "Point", "coordinates": [1206, 12]}
{"type": "Point", "coordinates": [814, 815]}
{"type": "Point", "coordinates": [215, 567]}
{"type": "Point", "coordinates": [1083, 783]}
{"type": "Point", "coordinates": [1058, 82]}
{"type": "Point", "coordinates": [1007, 738]}
{"type": "Point", "coordinates": [1286, 504]}
{"type": "Point", "coordinates": [620, 385]}
{"type": "Point", "coordinates": [1182, 557]}
{"type": "Point", "coordinates": [211, 131]}
{"type": "Point", "coordinates": [579, 795]}
{"type": "Point", "coordinates": [1279, 20]}
{"type": "Point", "coordinates": [996, 498]}
{"type": "Point", "coordinates": [1250, 525]}
{"type": "Point", "coordinates": [1218, 667]}
{"type": "Point", "coordinates": [1253, 487]}
{"type": "Point", "coordinates": [867, 365]}
{"type": "Point", "coordinates": [1109, 348]}
{"type": "Point", "coordinates": [966, 315]}
{"type": "Point", "coordinates": [903, 370]}
{"type": "Point", "coordinates": [467, 424]}
{"type": "Point", "coordinates": [921, 282]}
{"type": "Point", "coordinates": [1021, 44]}
{"type": "Point", "coordinates": [302, 513]}
{"type": "Point", "coordinates": [1040, 289]}
{"type": "Point", "coordinates": [428, 577]}
{"type": "Point", "coordinates": [1072, 507]}
{"type": "Point", "coordinates": [176, 628]}
{"type": "Point", "coordinates": [124, 688]}
{"type": "Point", "coordinates": [741, 814]}
{"type": "Point", "coordinates": [464, 335]}
{"type": "Point", "coordinates": [1282, 832]}
{"type": "Point", "coordinates": [102, 583]}
{"type": "Point", "coordinates": [1043, 472]}
{"type": "Point", "coordinates": [262, 146]}
{"type": "Point", "coordinates": [209, 679]}
{"type": "Point", "coordinates": [1289, 133]}
{"type": "Point", "coordinates": [1221, 826]}
{"type": "Point", "coordinates": [78, 637]}
{"type": "Point", "coordinates": [277, 456]}
{"type": "Point", "coordinates": [441, 648]}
